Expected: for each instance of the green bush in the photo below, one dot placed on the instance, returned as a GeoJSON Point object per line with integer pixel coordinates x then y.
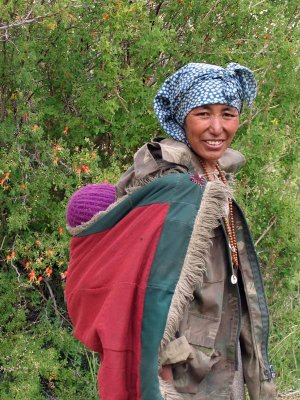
{"type": "Point", "coordinates": [77, 81]}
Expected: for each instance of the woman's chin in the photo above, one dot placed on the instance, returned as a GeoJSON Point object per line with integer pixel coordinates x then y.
{"type": "Point", "coordinates": [211, 156]}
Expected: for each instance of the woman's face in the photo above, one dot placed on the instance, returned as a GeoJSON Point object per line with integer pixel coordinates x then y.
{"type": "Point", "coordinates": [210, 129]}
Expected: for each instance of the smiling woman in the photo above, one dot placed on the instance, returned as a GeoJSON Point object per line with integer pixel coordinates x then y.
{"type": "Point", "coordinates": [216, 347]}
{"type": "Point", "coordinates": [176, 280]}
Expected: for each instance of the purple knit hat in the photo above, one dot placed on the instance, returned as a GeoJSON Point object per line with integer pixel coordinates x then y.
{"type": "Point", "coordinates": [88, 201]}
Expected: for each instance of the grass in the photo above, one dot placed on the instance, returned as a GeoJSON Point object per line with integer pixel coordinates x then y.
{"type": "Point", "coordinates": [284, 342]}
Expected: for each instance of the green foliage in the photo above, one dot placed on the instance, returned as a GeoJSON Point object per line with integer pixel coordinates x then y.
{"type": "Point", "coordinates": [77, 81]}
{"type": "Point", "coordinates": [39, 358]}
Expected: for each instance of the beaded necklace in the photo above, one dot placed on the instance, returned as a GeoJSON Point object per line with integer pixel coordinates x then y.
{"type": "Point", "coordinates": [229, 225]}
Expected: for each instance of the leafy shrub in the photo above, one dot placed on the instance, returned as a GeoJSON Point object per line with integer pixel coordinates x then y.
{"type": "Point", "coordinates": [77, 86]}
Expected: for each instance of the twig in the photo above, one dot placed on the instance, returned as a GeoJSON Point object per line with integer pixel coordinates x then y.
{"type": "Point", "coordinates": [2, 244]}
{"type": "Point", "coordinates": [26, 21]}
{"type": "Point", "coordinates": [293, 393]}
{"type": "Point", "coordinates": [268, 104]}
{"type": "Point", "coordinates": [255, 5]}
{"type": "Point", "coordinates": [53, 298]}
{"type": "Point", "coordinates": [211, 9]}
{"type": "Point", "coordinates": [17, 271]}
{"type": "Point", "coordinates": [158, 8]}
{"type": "Point", "coordinates": [122, 101]}
{"type": "Point", "coordinates": [252, 117]}
{"type": "Point", "coordinates": [59, 313]}
{"type": "Point", "coordinates": [271, 223]}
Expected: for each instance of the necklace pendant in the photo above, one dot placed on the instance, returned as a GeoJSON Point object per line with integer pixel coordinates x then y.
{"type": "Point", "coordinates": [234, 279]}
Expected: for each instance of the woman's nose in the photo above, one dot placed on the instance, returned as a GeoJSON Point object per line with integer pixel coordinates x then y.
{"type": "Point", "coordinates": [216, 125]}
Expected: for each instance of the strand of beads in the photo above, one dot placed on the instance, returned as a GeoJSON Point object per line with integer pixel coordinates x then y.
{"type": "Point", "coordinates": [229, 224]}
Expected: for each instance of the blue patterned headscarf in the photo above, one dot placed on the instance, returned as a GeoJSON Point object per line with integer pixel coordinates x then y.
{"type": "Point", "coordinates": [198, 84]}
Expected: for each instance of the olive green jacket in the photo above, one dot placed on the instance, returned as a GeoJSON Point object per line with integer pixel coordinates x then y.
{"type": "Point", "coordinates": [222, 315]}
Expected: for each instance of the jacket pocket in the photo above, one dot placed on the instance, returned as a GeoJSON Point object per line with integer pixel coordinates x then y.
{"type": "Point", "coordinates": [201, 329]}
{"type": "Point", "coordinates": [188, 376]}
{"type": "Point", "coordinates": [200, 332]}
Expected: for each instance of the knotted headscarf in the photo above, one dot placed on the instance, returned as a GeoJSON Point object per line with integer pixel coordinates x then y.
{"type": "Point", "coordinates": [198, 84]}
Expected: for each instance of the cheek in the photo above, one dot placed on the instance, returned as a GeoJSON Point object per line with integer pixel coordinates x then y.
{"type": "Point", "coordinates": [191, 137]}
{"type": "Point", "coordinates": [233, 128]}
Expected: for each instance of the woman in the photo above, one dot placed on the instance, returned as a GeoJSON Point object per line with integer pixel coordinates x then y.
{"type": "Point", "coordinates": [203, 297]}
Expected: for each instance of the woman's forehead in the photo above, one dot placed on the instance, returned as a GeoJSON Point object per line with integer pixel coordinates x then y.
{"type": "Point", "coordinates": [215, 107]}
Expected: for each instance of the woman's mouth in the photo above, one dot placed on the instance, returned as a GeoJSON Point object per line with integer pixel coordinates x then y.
{"type": "Point", "coordinates": [214, 143]}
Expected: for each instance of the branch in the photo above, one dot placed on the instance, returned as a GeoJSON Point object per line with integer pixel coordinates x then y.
{"type": "Point", "coordinates": [122, 101]}
{"type": "Point", "coordinates": [2, 244]}
{"type": "Point", "coordinates": [271, 223]}
{"type": "Point", "coordinates": [26, 20]}
{"type": "Point", "coordinates": [247, 121]}
{"type": "Point", "coordinates": [17, 271]}
{"type": "Point", "coordinates": [289, 394]}
{"type": "Point", "coordinates": [57, 311]}
{"type": "Point", "coordinates": [264, 109]}
{"type": "Point", "coordinates": [53, 298]}
{"type": "Point", "coordinates": [158, 8]}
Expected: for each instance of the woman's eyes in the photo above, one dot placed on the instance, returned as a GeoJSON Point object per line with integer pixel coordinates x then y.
{"type": "Point", "coordinates": [205, 114]}
{"type": "Point", "coordinates": [228, 115]}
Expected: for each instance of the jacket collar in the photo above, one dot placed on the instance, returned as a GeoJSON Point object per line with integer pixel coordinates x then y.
{"type": "Point", "coordinates": [172, 151]}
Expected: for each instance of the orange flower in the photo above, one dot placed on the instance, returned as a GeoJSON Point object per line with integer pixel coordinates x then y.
{"type": "Point", "coordinates": [7, 175]}
{"type": "Point", "coordinates": [66, 129]}
{"type": "Point", "coordinates": [56, 148]}
{"type": "Point", "coordinates": [105, 17]}
{"type": "Point", "coordinates": [38, 242]}
{"type": "Point", "coordinates": [56, 159]}
{"type": "Point", "coordinates": [31, 275]}
{"type": "Point", "coordinates": [49, 252]}
{"type": "Point", "coordinates": [94, 156]}
{"type": "Point", "coordinates": [39, 279]}
{"type": "Point", "coordinates": [105, 181]}
{"type": "Point", "coordinates": [35, 127]}
{"type": "Point", "coordinates": [27, 264]}
{"type": "Point", "coordinates": [49, 272]}
{"type": "Point", "coordinates": [8, 258]}
{"type": "Point", "coordinates": [85, 168]}
{"type": "Point", "coordinates": [60, 231]}
{"type": "Point", "coordinates": [2, 181]}
{"type": "Point", "coordinates": [13, 254]}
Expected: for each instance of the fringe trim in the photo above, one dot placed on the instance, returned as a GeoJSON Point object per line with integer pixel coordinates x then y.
{"type": "Point", "coordinates": [212, 209]}
{"type": "Point", "coordinates": [138, 183]}
{"type": "Point", "coordinates": [168, 391]}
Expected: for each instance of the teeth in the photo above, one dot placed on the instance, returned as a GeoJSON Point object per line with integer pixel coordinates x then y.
{"type": "Point", "coordinates": [214, 142]}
